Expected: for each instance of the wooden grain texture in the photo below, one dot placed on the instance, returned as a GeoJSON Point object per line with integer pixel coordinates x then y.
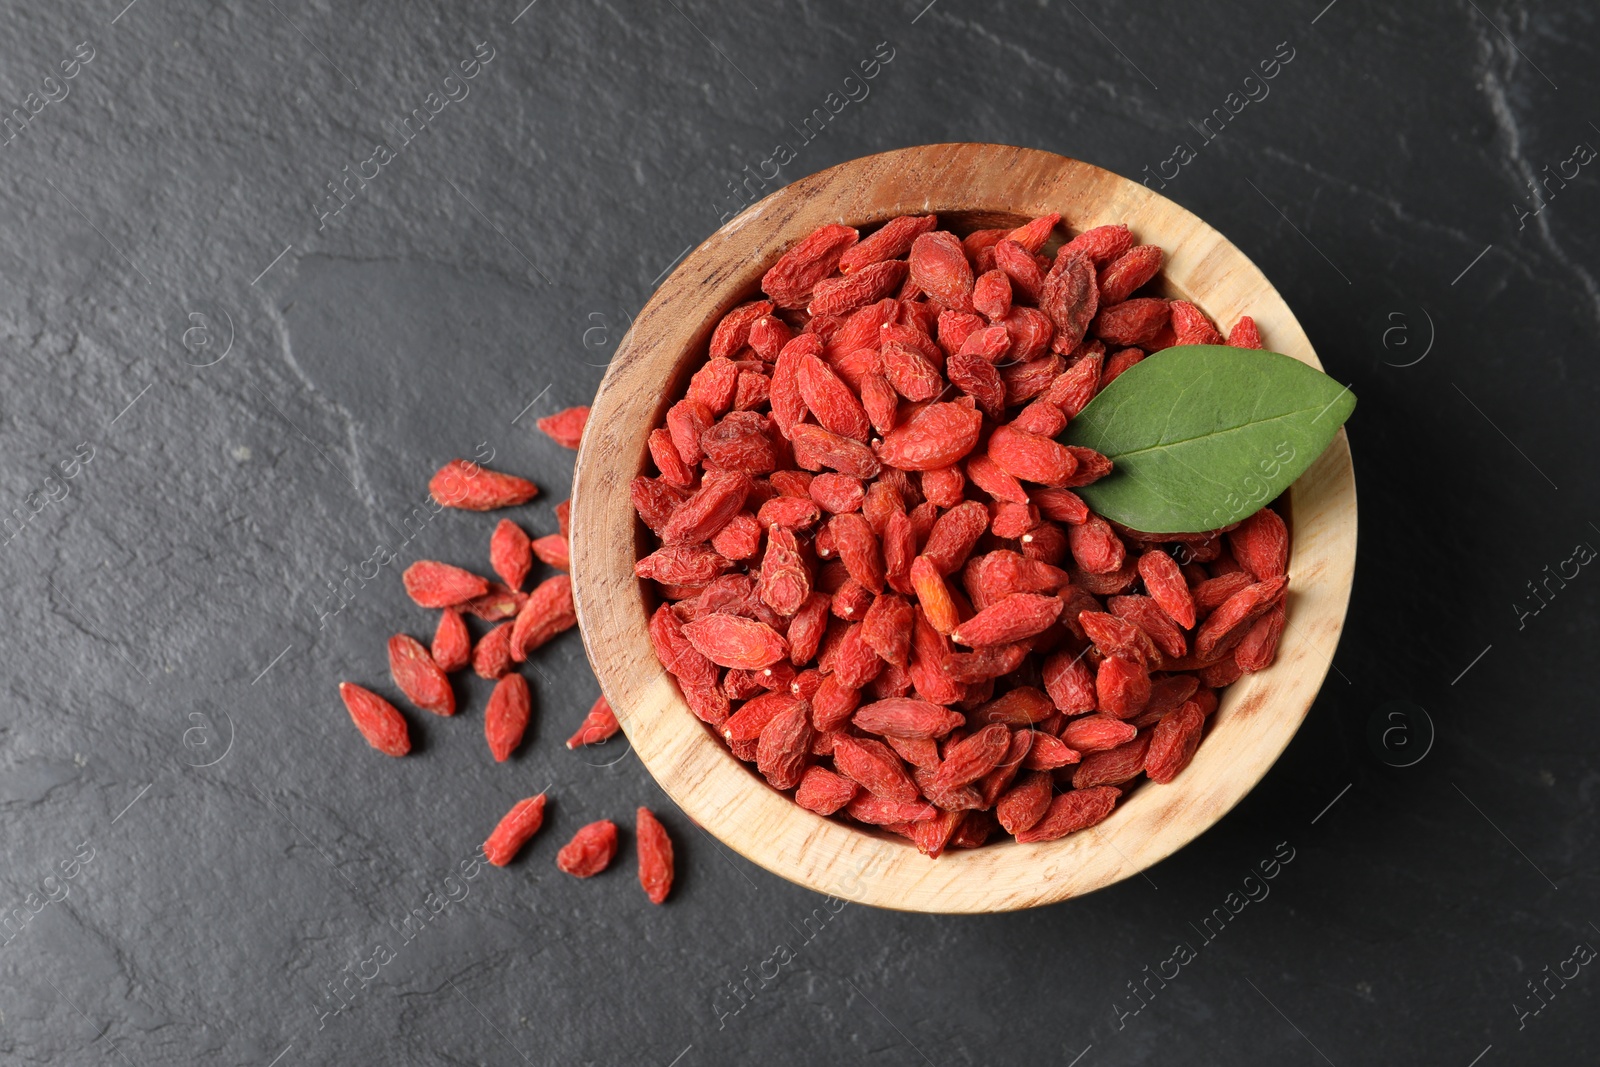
{"type": "Point", "coordinates": [968, 186]}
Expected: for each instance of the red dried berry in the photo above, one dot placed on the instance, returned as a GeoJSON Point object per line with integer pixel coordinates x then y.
{"type": "Point", "coordinates": [1245, 334]}
{"type": "Point", "coordinates": [514, 829]}
{"type": "Point", "coordinates": [871, 765]}
{"type": "Point", "coordinates": [890, 241]}
{"type": "Point", "coordinates": [463, 484]}
{"type": "Point", "coordinates": [506, 717]}
{"type": "Point", "coordinates": [1133, 322]}
{"type": "Point", "coordinates": [439, 585]}
{"type": "Point", "coordinates": [510, 554]}
{"type": "Point", "coordinates": [1071, 812]}
{"type": "Point", "coordinates": [452, 645]}
{"type": "Point", "coordinates": [1097, 733]}
{"type": "Point", "coordinates": [939, 268]}
{"type": "Point", "coordinates": [379, 721]}
{"type": "Point", "coordinates": [419, 677]}
{"type": "Point", "coordinates": [1128, 272]}
{"type": "Point", "coordinates": [565, 427]}
{"type": "Point", "coordinates": [1070, 298]}
{"type": "Point", "coordinates": [600, 724]}
{"type": "Point", "coordinates": [492, 656]}
{"type": "Point", "coordinates": [731, 641]}
{"type": "Point", "coordinates": [907, 718]}
{"type": "Point", "coordinates": [1101, 244]}
{"type": "Point", "coordinates": [1026, 803]}
{"type": "Point", "coordinates": [655, 856]}
{"type": "Point", "coordinates": [823, 791]}
{"type": "Point", "coordinates": [590, 851]}
{"type": "Point", "coordinates": [553, 550]}
{"type": "Point", "coordinates": [1164, 582]}
{"type": "Point", "coordinates": [548, 612]}
{"type": "Point", "coordinates": [733, 331]}
{"type": "Point", "coordinates": [1261, 545]}
{"type": "Point", "coordinates": [784, 746]}
{"type": "Point", "coordinates": [1012, 618]}
{"type": "Point", "coordinates": [1173, 743]}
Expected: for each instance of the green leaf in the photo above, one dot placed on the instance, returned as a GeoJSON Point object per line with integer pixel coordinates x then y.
{"type": "Point", "coordinates": [1204, 435]}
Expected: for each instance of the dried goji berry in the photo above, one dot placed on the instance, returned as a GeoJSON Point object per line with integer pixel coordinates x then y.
{"type": "Point", "coordinates": [514, 829]}
{"type": "Point", "coordinates": [419, 677]}
{"type": "Point", "coordinates": [1173, 742]}
{"type": "Point", "coordinates": [1225, 626]}
{"type": "Point", "coordinates": [510, 554]}
{"type": "Point", "coordinates": [732, 641]}
{"type": "Point", "coordinates": [655, 856]}
{"type": "Point", "coordinates": [837, 296]}
{"type": "Point", "coordinates": [784, 746]}
{"type": "Point", "coordinates": [491, 658]}
{"type": "Point", "coordinates": [565, 427]}
{"type": "Point", "coordinates": [816, 448]}
{"type": "Point", "coordinates": [858, 547]}
{"type": "Point", "coordinates": [439, 585]}
{"type": "Point", "coordinates": [379, 721]}
{"type": "Point", "coordinates": [1097, 733]}
{"type": "Point", "coordinates": [890, 241]}
{"type": "Point", "coordinates": [1261, 545]}
{"type": "Point", "coordinates": [548, 612]}
{"type": "Point", "coordinates": [791, 279]}
{"type": "Point", "coordinates": [1031, 458]}
{"type": "Point", "coordinates": [1191, 327]}
{"type": "Point", "coordinates": [937, 436]}
{"type": "Point", "coordinates": [1245, 334]}
{"type": "Point", "coordinates": [590, 851]}
{"type": "Point", "coordinates": [600, 724]}
{"type": "Point", "coordinates": [1071, 812]}
{"type": "Point", "coordinates": [1070, 298]}
{"type": "Point", "coordinates": [719, 498]}
{"type": "Point", "coordinates": [464, 484]}
{"type": "Point", "coordinates": [506, 717]}
{"type": "Point", "coordinates": [1164, 582]}
{"type": "Point", "coordinates": [1025, 803]}
{"type": "Point", "coordinates": [871, 765]}
{"type": "Point", "coordinates": [740, 441]}
{"type": "Point", "coordinates": [1095, 546]}
{"type": "Point", "coordinates": [733, 331]}
{"type": "Point", "coordinates": [1259, 646]}
{"type": "Point", "coordinates": [675, 652]}
{"type": "Point", "coordinates": [1112, 766]}
{"type": "Point", "coordinates": [907, 718]}
{"type": "Point", "coordinates": [939, 268]}
{"type": "Point", "coordinates": [1012, 618]}
{"type": "Point", "coordinates": [830, 399]}
{"type": "Point", "coordinates": [452, 645]}
{"type": "Point", "coordinates": [1128, 272]}
{"type": "Point", "coordinates": [1132, 322]}
{"type": "Point", "coordinates": [1101, 244]}
{"type": "Point", "coordinates": [553, 550]}
{"type": "Point", "coordinates": [823, 791]}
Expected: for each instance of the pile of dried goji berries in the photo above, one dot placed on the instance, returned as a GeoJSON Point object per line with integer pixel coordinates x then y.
{"type": "Point", "coordinates": [520, 623]}
{"type": "Point", "coordinates": [879, 585]}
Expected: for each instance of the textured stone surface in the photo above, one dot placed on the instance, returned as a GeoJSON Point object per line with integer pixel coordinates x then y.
{"type": "Point", "coordinates": [170, 732]}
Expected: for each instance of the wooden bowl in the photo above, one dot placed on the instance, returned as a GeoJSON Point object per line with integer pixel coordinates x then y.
{"type": "Point", "coordinates": [969, 186]}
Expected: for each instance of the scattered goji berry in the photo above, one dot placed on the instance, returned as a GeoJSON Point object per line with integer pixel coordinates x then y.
{"type": "Point", "coordinates": [513, 830]}
{"type": "Point", "coordinates": [464, 484]}
{"type": "Point", "coordinates": [506, 717]}
{"type": "Point", "coordinates": [379, 721]}
{"type": "Point", "coordinates": [655, 856]}
{"type": "Point", "coordinates": [600, 724]}
{"type": "Point", "coordinates": [590, 851]}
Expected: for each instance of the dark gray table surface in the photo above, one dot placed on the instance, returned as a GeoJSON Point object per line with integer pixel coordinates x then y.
{"type": "Point", "coordinates": [220, 397]}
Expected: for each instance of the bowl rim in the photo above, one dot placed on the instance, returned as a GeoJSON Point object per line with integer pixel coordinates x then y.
{"type": "Point", "coordinates": [1258, 715]}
